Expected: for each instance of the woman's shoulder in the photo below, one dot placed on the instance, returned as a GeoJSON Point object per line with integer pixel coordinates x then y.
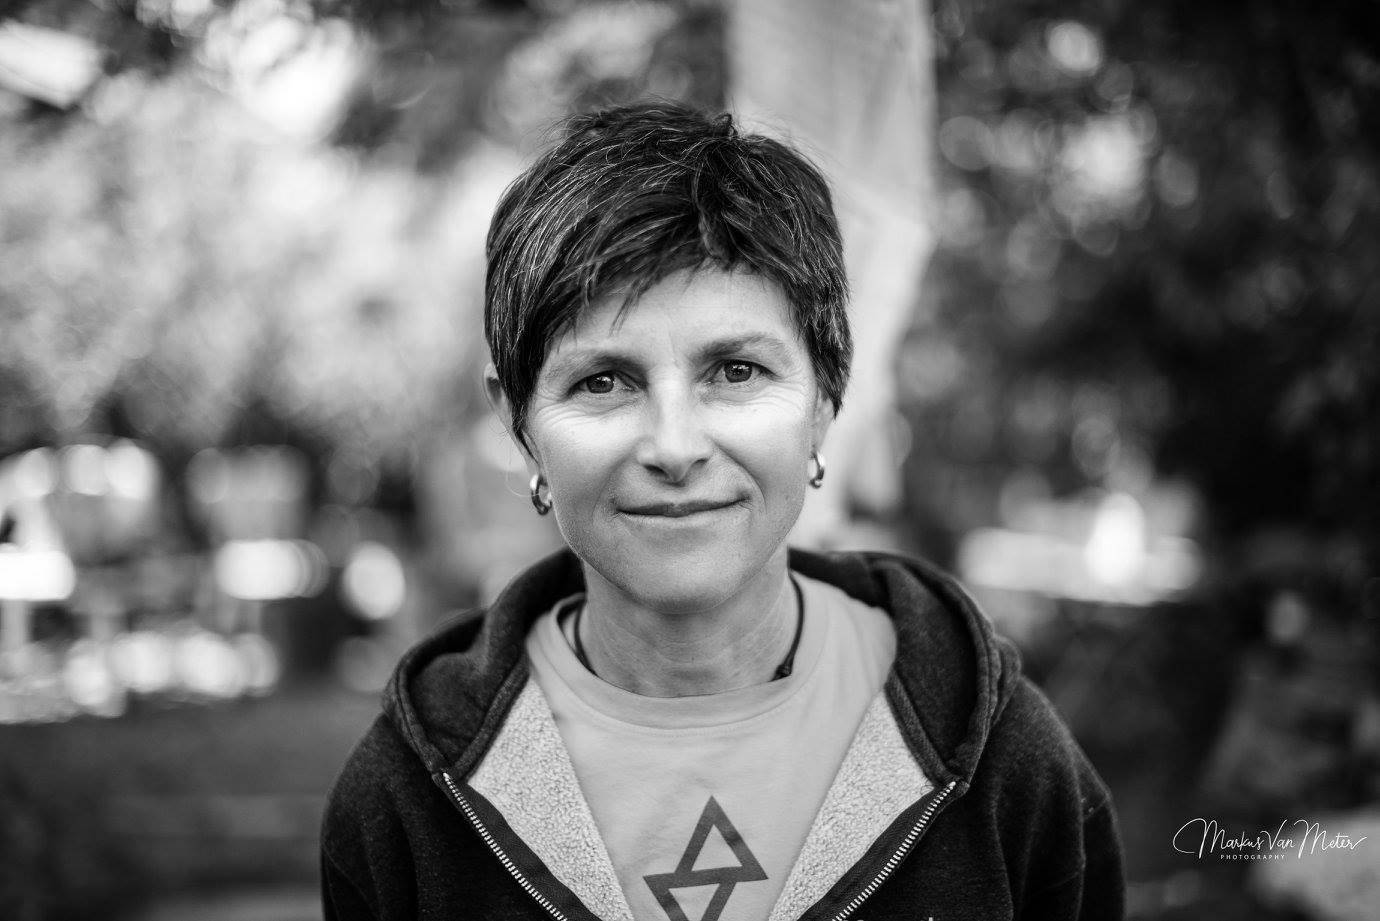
{"type": "Point", "coordinates": [1052, 813]}
{"type": "Point", "coordinates": [1031, 746]}
{"type": "Point", "coordinates": [378, 767]}
{"type": "Point", "coordinates": [1040, 788]}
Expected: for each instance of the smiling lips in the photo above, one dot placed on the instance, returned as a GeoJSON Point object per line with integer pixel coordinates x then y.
{"type": "Point", "coordinates": [679, 509]}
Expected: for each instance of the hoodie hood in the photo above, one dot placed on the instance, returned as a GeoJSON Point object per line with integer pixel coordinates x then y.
{"type": "Point", "coordinates": [951, 679]}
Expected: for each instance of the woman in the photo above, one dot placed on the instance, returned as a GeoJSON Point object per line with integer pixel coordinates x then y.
{"type": "Point", "coordinates": [679, 718]}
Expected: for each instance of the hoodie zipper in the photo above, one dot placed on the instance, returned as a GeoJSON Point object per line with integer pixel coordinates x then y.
{"type": "Point", "coordinates": [494, 846]}
{"type": "Point", "coordinates": [899, 854]}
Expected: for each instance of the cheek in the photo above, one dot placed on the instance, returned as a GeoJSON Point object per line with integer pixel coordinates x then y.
{"type": "Point", "coordinates": [774, 447]}
{"type": "Point", "coordinates": [576, 453]}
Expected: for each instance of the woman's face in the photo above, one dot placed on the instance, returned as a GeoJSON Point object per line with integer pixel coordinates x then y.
{"type": "Point", "coordinates": [676, 438]}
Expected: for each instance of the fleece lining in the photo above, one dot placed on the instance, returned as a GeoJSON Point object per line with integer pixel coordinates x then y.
{"type": "Point", "coordinates": [877, 781]}
{"type": "Point", "coordinates": [527, 776]}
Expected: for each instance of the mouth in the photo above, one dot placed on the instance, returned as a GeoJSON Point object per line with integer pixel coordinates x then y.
{"type": "Point", "coordinates": [682, 509]}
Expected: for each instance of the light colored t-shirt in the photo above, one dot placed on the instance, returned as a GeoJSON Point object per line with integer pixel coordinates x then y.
{"type": "Point", "coordinates": [703, 803]}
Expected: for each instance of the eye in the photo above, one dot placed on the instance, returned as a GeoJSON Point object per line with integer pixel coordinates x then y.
{"type": "Point", "coordinates": [599, 383]}
{"type": "Point", "coordinates": [738, 372]}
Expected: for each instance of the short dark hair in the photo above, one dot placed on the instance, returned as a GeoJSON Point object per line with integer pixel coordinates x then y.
{"type": "Point", "coordinates": [635, 193]}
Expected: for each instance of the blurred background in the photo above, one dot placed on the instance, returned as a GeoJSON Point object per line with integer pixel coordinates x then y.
{"type": "Point", "coordinates": [1119, 357]}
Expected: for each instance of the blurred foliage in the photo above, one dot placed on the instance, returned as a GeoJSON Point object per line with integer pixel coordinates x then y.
{"type": "Point", "coordinates": [162, 255]}
{"type": "Point", "coordinates": [1157, 225]}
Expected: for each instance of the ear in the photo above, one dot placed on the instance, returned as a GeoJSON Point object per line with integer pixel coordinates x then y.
{"type": "Point", "coordinates": [499, 403]}
{"type": "Point", "coordinates": [824, 416]}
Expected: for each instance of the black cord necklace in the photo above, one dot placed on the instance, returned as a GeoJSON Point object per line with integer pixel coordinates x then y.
{"type": "Point", "coordinates": [782, 671]}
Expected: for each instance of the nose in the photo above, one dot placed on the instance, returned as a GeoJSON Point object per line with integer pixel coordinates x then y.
{"type": "Point", "coordinates": [674, 441]}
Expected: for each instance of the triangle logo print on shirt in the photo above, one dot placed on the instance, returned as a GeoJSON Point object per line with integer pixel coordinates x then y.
{"type": "Point", "coordinates": [685, 876]}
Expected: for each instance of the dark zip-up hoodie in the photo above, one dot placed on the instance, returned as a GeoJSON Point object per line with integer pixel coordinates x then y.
{"type": "Point", "coordinates": [962, 798]}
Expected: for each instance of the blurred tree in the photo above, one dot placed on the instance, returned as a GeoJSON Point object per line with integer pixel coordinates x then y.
{"type": "Point", "coordinates": [1156, 227]}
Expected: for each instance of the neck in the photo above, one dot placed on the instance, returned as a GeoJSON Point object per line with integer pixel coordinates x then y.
{"type": "Point", "coordinates": [736, 643]}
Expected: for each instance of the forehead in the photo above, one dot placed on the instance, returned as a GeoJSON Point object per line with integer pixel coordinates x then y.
{"type": "Point", "coordinates": [684, 308]}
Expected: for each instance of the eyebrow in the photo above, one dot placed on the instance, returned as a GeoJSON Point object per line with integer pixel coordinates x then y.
{"type": "Point", "coordinates": [727, 347]}
{"type": "Point", "coordinates": [736, 345]}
